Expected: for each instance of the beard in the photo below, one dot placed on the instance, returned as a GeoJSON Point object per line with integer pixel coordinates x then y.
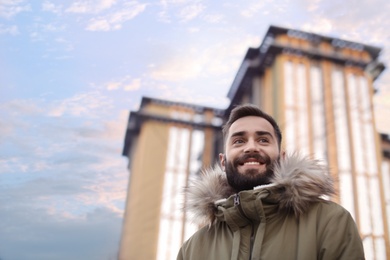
{"type": "Point", "coordinates": [251, 177]}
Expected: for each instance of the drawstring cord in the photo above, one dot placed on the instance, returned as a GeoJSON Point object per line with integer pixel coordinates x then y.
{"type": "Point", "coordinates": [260, 230]}
{"type": "Point", "coordinates": [236, 244]}
{"type": "Point", "coordinates": [236, 233]}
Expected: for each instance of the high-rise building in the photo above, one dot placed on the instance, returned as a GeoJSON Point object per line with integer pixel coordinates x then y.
{"type": "Point", "coordinates": [166, 143]}
{"type": "Point", "coordinates": [320, 91]}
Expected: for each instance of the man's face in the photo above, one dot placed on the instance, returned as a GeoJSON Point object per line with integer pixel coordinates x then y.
{"type": "Point", "coordinates": [250, 152]}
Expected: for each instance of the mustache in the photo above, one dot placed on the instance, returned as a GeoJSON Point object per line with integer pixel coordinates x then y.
{"type": "Point", "coordinates": [263, 159]}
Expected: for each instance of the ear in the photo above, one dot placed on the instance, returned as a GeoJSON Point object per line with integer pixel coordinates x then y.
{"type": "Point", "coordinates": [222, 161]}
{"type": "Point", "coordinates": [283, 154]}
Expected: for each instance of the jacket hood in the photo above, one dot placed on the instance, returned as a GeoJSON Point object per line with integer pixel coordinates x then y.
{"type": "Point", "coordinates": [298, 182]}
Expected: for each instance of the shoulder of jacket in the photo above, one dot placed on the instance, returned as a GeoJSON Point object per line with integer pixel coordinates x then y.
{"type": "Point", "coordinates": [330, 209]}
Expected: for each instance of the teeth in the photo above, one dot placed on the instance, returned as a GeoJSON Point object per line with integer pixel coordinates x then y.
{"type": "Point", "coordinates": [253, 163]}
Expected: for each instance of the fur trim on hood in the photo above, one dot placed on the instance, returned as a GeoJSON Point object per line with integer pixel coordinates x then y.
{"type": "Point", "coordinates": [298, 181]}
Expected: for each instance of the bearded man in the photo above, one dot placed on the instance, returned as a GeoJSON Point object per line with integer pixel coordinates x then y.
{"type": "Point", "coordinates": [263, 204]}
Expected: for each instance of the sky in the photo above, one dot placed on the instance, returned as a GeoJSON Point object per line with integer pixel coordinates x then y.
{"type": "Point", "coordinates": [70, 72]}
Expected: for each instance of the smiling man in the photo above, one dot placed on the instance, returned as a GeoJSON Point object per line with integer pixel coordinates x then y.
{"type": "Point", "coordinates": [252, 146]}
{"type": "Point", "coordinates": [264, 204]}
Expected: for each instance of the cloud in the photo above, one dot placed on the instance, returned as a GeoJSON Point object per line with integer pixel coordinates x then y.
{"type": "Point", "coordinates": [88, 7]}
{"type": "Point", "coordinates": [36, 36]}
{"type": "Point", "coordinates": [189, 68]}
{"type": "Point", "coordinates": [131, 10]}
{"type": "Point", "coordinates": [50, 27]}
{"type": "Point", "coordinates": [80, 105]}
{"type": "Point", "coordinates": [193, 29]}
{"type": "Point", "coordinates": [80, 7]}
{"type": "Point", "coordinates": [97, 182]}
{"type": "Point", "coordinates": [188, 95]}
{"type": "Point", "coordinates": [66, 162]}
{"type": "Point", "coordinates": [113, 85]}
{"type": "Point", "coordinates": [36, 234]}
{"type": "Point", "coordinates": [98, 25]}
{"type": "Point", "coordinates": [213, 18]}
{"type": "Point", "coordinates": [115, 20]}
{"type": "Point", "coordinates": [21, 106]}
{"type": "Point", "coordinates": [10, 8]}
{"type": "Point", "coordinates": [5, 129]}
{"type": "Point", "coordinates": [213, 60]}
{"type": "Point", "coordinates": [66, 165]}
{"type": "Point", "coordinates": [190, 12]}
{"type": "Point", "coordinates": [44, 31]}
{"type": "Point", "coordinates": [126, 83]}
{"type": "Point", "coordinates": [48, 6]}
{"type": "Point", "coordinates": [253, 9]}
{"type": "Point", "coordinates": [185, 10]}
{"type": "Point", "coordinates": [363, 24]}
{"type": "Point", "coordinates": [174, 2]}
{"type": "Point", "coordinates": [64, 184]}
{"type": "Point", "coordinates": [68, 46]}
{"type": "Point", "coordinates": [312, 5]}
{"type": "Point", "coordinates": [322, 25]}
{"type": "Point", "coordinates": [12, 30]}
{"type": "Point", "coordinates": [134, 85]}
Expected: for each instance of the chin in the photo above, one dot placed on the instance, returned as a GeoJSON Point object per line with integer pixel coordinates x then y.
{"type": "Point", "coordinates": [253, 172]}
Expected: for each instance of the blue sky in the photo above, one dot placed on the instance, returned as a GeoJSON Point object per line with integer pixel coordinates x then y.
{"type": "Point", "coordinates": [70, 72]}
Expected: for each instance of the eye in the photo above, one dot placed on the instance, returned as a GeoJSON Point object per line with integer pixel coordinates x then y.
{"type": "Point", "coordinates": [238, 141]}
{"type": "Point", "coordinates": [263, 140]}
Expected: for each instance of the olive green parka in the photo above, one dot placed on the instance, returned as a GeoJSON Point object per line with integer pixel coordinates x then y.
{"type": "Point", "coordinates": [287, 219]}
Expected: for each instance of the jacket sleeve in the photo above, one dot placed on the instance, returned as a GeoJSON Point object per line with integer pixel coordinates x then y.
{"type": "Point", "coordinates": [340, 238]}
{"type": "Point", "coordinates": [180, 254]}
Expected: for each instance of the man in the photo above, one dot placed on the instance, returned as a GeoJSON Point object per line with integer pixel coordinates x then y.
{"type": "Point", "coordinates": [264, 204]}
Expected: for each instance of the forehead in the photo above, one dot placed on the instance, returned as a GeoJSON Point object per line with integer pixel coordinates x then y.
{"type": "Point", "coordinates": [251, 124]}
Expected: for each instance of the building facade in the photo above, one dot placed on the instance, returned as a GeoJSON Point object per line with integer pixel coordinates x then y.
{"type": "Point", "coordinates": [320, 91]}
{"type": "Point", "coordinates": [385, 143]}
{"type": "Point", "coordinates": [167, 143]}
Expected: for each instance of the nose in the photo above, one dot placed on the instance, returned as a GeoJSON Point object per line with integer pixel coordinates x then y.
{"type": "Point", "coordinates": [251, 147]}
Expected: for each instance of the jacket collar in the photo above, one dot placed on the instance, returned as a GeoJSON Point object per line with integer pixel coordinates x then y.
{"type": "Point", "coordinates": [298, 182]}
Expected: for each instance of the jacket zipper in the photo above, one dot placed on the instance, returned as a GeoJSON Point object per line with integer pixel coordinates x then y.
{"type": "Point", "coordinates": [237, 203]}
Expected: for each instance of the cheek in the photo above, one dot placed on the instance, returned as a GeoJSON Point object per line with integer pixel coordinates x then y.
{"type": "Point", "coordinates": [274, 154]}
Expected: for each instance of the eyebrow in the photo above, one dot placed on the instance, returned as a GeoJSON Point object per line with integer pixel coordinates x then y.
{"type": "Point", "coordinates": [259, 133]}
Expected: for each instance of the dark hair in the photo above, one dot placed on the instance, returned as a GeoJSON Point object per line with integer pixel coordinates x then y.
{"type": "Point", "coordinates": [250, 110]}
